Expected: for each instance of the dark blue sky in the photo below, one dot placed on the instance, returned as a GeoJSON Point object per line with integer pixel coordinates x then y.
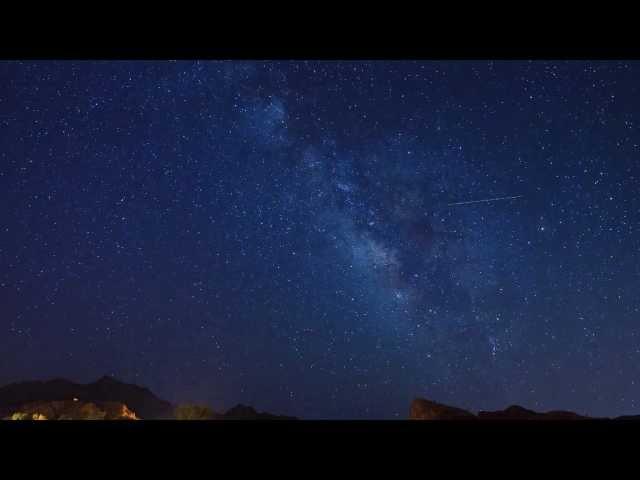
{"type": "Point", "coordinates": [281, 233]}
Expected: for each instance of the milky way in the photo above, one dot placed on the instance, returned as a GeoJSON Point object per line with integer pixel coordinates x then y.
{"type": "Point", "coordinates": [325, 239]}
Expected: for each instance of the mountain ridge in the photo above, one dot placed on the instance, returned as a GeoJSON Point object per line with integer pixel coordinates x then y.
{"type": "Point", "coordinates": [424, 409]}
{"type": "Point", "coordinates": [106, 389]}
{"type": "Point", "coordinates": [142, 401]}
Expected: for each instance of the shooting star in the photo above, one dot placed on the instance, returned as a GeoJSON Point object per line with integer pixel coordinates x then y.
{"type": "Point", "coordinates": [486, 200]}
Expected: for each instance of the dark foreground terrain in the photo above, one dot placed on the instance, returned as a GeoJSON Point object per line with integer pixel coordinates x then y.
{"type": "Point", "coordinates": [447, 433]}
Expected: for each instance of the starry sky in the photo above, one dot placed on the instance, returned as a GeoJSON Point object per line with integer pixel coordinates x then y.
{"type": "Point", "coordinates": [295, 235]}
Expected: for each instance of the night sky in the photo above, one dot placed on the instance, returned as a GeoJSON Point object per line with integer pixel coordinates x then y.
{"type": "Point", "coordinates": [283, 233]}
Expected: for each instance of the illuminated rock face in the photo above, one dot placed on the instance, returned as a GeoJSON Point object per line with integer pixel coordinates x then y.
{"type": "Point", "coordinates": [21, 416]}
{"type": "Point", "coordinates": [194, 412]}
{"type": "Point", "coordinates": [119, 411]}
{"type": "Point", "coordinates": [422, 409]}
{"type": "Point", "coordinates": [74, 410]}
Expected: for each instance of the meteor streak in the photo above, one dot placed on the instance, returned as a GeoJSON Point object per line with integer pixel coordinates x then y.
{"type": "Point", "coordinates": [486, 200]}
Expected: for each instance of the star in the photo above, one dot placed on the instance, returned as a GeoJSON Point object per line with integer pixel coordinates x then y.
{"type": "Point", "coordinates": [463, 231]}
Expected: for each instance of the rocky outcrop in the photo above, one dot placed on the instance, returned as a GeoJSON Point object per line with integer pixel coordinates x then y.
{"type": "Point", "coordinates": [422, 409]}
{"type": "Point", "coordinates": [73, 410]}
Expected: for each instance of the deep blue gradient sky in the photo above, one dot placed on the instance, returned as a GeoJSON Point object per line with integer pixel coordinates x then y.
{"type": "Point", "coordinates": [281, 234]}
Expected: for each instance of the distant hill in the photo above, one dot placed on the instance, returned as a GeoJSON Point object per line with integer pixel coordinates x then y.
{"type": "Point", "coordinates": [423, 409]}
{"type": "Point", "coordinates": [107, 389]}
{"type": "Point", "coordinates": [243, 412]}
{"type": "Point", "coordinates": [634, 418]}
{"type": "Point", "coordinates": [516, 412]}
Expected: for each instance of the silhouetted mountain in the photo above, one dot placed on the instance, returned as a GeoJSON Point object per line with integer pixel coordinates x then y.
{"type": "Point", "coordinates": [516, 412]}
{"type": "Point", "coordinates": [629, 417]}
{"type": "Point", "coordinates": [61, 397]}
{"type": "Point", "coordinates": [139, 399]}
{"type": "Point", "coordinates": [243, 412]}
{"type": "Point", "coordinates": [422, 409]}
